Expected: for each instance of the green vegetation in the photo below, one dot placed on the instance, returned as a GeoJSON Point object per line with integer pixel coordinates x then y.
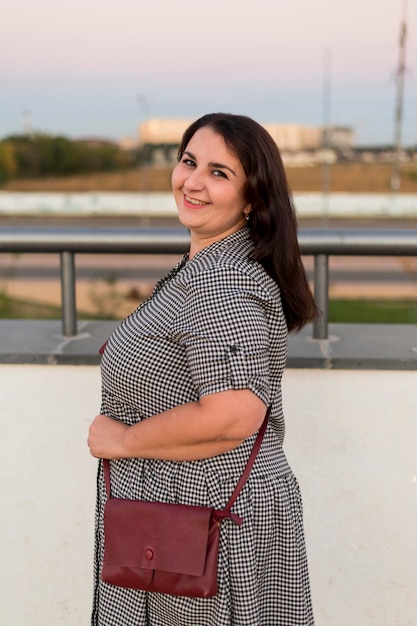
{"type": "Point", "coordinates": [15, 308]}
{"type": "Point", "coordinates": [8, 164]}
{"type": "Point", "coordinates": [39, 155]}
{"type": "Point", "coordinates": [340, 311]}
{"type": "Point", "coordinates": [11, 308]}
{"type": "Point", "coordinates": [373, 311]}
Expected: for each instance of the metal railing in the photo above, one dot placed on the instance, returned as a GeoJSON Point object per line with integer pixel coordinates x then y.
{"type": "Point", "coordinates": [321, 244]}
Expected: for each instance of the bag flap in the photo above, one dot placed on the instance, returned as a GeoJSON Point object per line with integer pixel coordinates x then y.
{"type": "Point", "coordinates": [156, 536]}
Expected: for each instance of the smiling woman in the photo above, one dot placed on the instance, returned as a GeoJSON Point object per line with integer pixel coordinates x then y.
{"type": "Point", "coordinates": [208, 185]}
{"type": "Point", "coordinates": [187, 378]}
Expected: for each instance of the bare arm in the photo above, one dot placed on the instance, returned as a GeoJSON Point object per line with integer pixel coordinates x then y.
{"type": "Point", "coordinates": [196, 430]}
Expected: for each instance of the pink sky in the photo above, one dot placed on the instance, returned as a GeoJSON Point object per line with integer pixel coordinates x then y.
{"type": "Point", "coordinates": [99, 66]}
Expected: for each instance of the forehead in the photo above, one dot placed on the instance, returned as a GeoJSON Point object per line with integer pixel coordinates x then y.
{"type": "Point", "coordinates": [207, 144]}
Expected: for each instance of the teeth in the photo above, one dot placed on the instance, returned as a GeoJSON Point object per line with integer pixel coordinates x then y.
{"type": "Point", "coordinates": [192, 201]}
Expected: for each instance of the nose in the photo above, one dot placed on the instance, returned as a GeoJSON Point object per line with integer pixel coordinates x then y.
{"type": "Point", "coordinates": [194, 180]}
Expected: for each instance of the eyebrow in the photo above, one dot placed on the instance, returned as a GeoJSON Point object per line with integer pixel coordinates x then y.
{"type": "Point", "coordinates": [212, 164]}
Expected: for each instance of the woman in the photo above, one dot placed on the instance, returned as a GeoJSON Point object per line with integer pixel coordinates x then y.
{"type": "Point", "coordinates": [188, 376]}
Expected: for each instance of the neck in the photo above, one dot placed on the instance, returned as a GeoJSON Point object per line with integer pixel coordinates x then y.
{"type": "Point", "coordinates": [198, 242]}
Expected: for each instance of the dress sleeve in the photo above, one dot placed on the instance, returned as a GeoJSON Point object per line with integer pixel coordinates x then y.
{"type": "Point", "coordinates": [223, 328]}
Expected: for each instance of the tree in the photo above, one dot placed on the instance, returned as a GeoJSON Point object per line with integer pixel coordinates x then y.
{"type": "Point", "coordinates": [8, 164]}
{"type": "Point", "coordinates": [40, 154]}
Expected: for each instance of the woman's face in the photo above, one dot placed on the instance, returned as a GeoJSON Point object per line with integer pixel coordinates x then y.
{"type": "Point", "coordinates": [208, 187]}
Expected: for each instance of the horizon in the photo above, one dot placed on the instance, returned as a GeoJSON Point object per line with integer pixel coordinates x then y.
{"type": "Point", "coordinates": [94, 68]}
{"type": "Point", "coordinates": [119, 140]}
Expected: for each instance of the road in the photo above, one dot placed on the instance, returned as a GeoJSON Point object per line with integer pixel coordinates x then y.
{"type": "Point", "coordinates": [119, 281]}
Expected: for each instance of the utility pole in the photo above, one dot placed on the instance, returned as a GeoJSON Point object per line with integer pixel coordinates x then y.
{"type": "Point", "coordinates": [145, 166]}
{"type": "Point", "coordinates": [395, 176]}
{"type": "Point", "coordinates": [26, 123]}
{"type": "Point", "coordinates": [326, 134]}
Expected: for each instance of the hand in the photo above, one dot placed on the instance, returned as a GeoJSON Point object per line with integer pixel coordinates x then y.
{"type": "Point", "coordinates": [106, 437]}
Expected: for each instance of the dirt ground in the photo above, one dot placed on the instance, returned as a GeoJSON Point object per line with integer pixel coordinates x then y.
{"type": "Point", "coordinates": [346, 177]}
{"type": "Point", "coordinates": [358, 277]}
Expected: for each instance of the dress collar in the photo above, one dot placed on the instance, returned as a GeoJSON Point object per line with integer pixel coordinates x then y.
{"type": "Point", "coordinates": [243, 234]}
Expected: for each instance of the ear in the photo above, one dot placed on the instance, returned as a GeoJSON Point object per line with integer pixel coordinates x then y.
{"type": "Point", "coordinates": [247, 211]}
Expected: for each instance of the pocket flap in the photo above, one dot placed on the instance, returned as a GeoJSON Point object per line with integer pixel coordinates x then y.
{"type": "Point", "coordinates": [156, 536]}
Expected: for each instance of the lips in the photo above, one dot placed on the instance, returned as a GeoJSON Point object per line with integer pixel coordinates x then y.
{"type": "Point", "coordinates": [193, 202]}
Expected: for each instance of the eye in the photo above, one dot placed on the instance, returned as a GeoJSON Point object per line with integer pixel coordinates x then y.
{"type": "Point", "coordinates": [219, 174]}
{"type": "Point", "coordinates": [187, 161]}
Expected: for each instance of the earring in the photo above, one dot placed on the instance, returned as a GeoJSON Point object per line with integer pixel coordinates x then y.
{"type": "Point", "coordinates": [246, 216]}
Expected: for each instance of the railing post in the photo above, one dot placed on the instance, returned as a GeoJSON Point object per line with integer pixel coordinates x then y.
{"type": "Point", "coordinates": [321, 295]}
{"type": "Point", "coordinates": [69, 311]}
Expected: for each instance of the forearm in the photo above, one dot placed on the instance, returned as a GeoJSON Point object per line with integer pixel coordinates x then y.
{"type": "Point", "coordinates": [185, 433]}
{"type": "Point", "coordinates": [192, 431]}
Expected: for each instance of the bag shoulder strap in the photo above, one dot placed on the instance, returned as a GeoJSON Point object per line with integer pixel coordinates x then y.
{"type": "Point", "coordinates": [245, 474]}
{"type": "Point", "coordinates": [242, 480]}
{"type": "Point", "coordinates": [106, 470]}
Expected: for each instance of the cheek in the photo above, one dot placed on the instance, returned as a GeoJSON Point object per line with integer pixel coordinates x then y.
{"type": "Point", "coordinates": [175, 178]}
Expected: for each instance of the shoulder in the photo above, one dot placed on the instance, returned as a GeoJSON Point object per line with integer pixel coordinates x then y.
{"type": "Point", "coordinates": [226, 266]}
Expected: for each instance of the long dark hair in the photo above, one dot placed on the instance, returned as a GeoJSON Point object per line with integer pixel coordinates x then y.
{"type": "Point", "coordinates": [272, 221]}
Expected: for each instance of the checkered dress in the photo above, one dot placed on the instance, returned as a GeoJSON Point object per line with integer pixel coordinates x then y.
{"type": "Point", "coordinates": [214, 323]}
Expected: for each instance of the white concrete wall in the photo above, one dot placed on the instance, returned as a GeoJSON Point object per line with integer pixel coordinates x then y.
{"type": "Point", "coordinates": [351, 439]}
{"type": "Point", "coordinates": [47, 494]}
{"type": "Point", "coordinates": [162, 204]}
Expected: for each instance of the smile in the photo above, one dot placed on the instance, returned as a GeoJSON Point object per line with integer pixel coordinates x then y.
{"type": "Point", "coordinates": [194, 202]}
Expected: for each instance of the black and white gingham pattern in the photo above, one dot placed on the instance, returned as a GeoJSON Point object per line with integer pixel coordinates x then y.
{"type": "Point", "coordinates": [215, 323]}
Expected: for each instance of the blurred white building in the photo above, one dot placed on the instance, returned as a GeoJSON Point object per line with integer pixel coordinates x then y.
{"type": "Point", "coordinates": [162, 130]}
{"type": "Point", "coordinates": [289, 137]}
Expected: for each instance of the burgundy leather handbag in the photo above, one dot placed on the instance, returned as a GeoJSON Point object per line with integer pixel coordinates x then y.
{"type": "Point", "coordinates": [166, 548]}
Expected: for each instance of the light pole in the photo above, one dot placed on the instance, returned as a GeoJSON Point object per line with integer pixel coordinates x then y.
{"type": "Point", "coordinates": [326, 132]}
{"type": "Point", "coordinates": [395, 177]}
{"type": "Point", "coordinates": [144, 106]}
